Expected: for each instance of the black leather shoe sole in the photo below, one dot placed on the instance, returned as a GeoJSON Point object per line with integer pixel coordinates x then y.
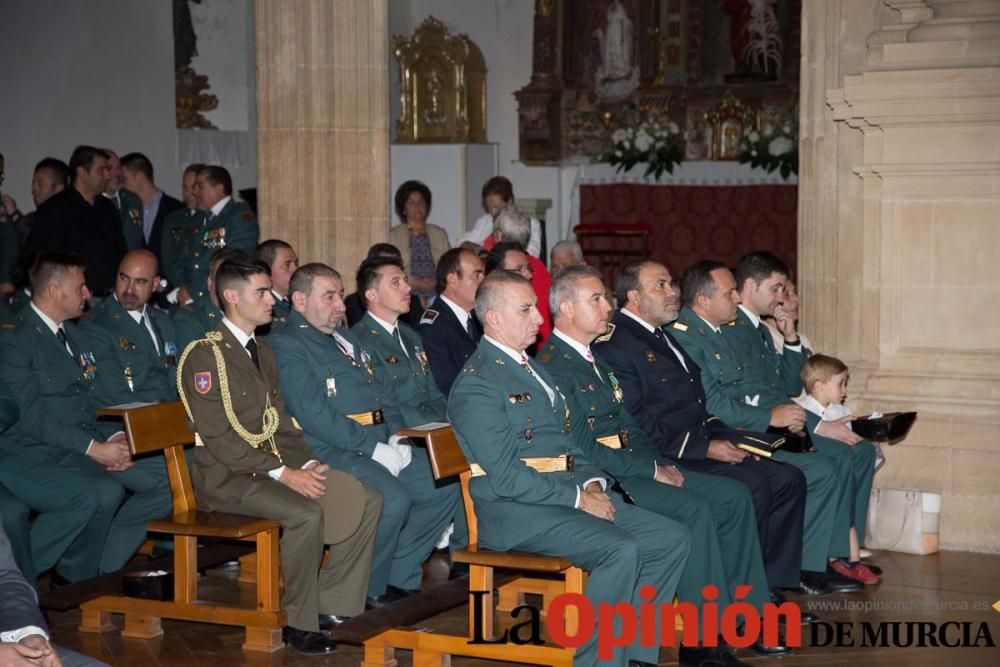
{"type": "Point", "coordinates": [841, 584]}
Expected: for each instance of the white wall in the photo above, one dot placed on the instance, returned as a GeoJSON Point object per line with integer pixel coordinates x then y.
{"type": "Point", "coordinates": [98, 72]}
{"type": "Point", "coordinates": [502, 29]}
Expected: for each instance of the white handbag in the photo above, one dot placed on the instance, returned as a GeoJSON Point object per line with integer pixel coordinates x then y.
{"type": "Point", "coordinates": [904, 520]}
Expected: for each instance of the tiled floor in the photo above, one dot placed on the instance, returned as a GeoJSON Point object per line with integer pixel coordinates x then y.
{"type": "Point", "coordinates": [940, 588]}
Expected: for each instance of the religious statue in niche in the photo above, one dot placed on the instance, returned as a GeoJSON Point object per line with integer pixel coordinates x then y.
{"type": "Point", "coordinates": [190, 96]}
{"type": "Point", "coordinates": [616, 76]}
{"type": "Point", "coordinates": [442, 87]}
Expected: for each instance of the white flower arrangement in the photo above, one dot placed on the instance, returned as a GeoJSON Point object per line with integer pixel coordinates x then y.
{"type": "Point", "coordinates": [772, 148]}
{"type": "Point", "coordinates": [657, 145]}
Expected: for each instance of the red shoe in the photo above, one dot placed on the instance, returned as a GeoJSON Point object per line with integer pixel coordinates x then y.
{"type": "Point", "coordinates": [859, 572]}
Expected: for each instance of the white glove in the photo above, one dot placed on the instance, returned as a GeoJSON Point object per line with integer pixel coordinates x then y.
{"type": "Point", "coordinates": [402, 446]}
{"type": "Point", "coordinates": [390, 458]}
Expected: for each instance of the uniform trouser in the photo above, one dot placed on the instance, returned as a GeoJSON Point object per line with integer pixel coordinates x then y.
{"type": "Point", "coordinates": [639, 548]}
{"type": "Point", "coordinates": [855, 472]}
{"type": "Point", "coordinates": [118, 528]}
{"type": "Point", "coordinates": [14, 516]}
{"type": "Point", "coordinates": [416, 511]}
{"type": "Point", "coordinates": [778, 492]}
{"type": "Point", "coordinates": [342, 581]}
{"type": "Point", "coordinates": [823, 495]}
{"type": "Point", "coordinates": [725, 550]}
{"type": "Point", "coordinates": [48, 480]}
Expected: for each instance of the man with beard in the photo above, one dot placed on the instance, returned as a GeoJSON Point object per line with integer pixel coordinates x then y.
{"type": "Point", "coordinates": [134, 343]}
{"type": "Point", "coordinates": [81, 220]}
{"type": "Point", "coordinates": [662, 389]}
{"type": "Point", "coordinates": [255, 462]}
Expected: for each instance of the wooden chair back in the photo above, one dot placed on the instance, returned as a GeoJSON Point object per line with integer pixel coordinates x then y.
{"type": "Point", "coordinates": [161, 427]}
{"type": "Point", "coordinates": [447, 460]}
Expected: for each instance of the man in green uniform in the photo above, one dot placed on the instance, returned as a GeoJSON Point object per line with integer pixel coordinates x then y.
{"type": "Point", "coordinates": [402, 371]}
{"type": "Point", "coordinates": [514, 427]}
{"type": "Point", "coordinates": [127, 203]}
{"type": "Point", "coordinates": [202, 315]}
{"type": "Point", "coordinates": [748, 391]}
{"type": "Point", "coordinates": [226, 224]}
{"type": "Point", "coordinates": [135, 344]}
{"type": "Point", "coordinates": [180, 232]}
{"type": "Point", "coordinates": [283, 262]}
{"type": "Point", "coordinates": [719, 512]}
{"type": "Point", "coordinates": [59, 450]}
{"type": "Point", "coordinates": [254, 461]}
{"type": "Point", "coordinates": [327, 377]}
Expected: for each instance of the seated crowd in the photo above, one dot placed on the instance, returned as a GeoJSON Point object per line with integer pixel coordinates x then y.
{"type": "Point", "coordinates": [114, 292]}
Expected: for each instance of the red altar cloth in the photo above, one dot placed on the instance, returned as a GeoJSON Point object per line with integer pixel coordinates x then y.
{"type": "Point", "coordinates": [692, 222]}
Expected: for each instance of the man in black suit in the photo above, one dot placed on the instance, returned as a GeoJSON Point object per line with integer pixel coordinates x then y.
{"type": "Point", "coordinates": [79, 220]}
{"type": "Point", "coordinates": [662, 389]}
{"type": "Point", "coordinates": [24, 636]}
{"type": "Point", "coordinates": [449, 329]}
{"type": "Point", "coordinates": [137, 172]}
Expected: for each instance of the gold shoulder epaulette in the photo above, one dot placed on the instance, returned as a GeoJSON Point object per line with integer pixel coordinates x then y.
{"type": "Point", "coordinates": [680, 326]}
{"type": "Point", "coordinates": [607, 335]}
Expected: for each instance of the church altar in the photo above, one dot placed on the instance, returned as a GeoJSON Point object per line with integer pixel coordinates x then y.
{"type": "Point", "coordinates": [704, 210]}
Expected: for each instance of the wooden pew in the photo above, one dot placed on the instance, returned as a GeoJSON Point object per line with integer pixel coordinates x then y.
{"type": "Point", "coordinates": [163, 428]}
{"type": "Point", "coordinates": [430, 648]}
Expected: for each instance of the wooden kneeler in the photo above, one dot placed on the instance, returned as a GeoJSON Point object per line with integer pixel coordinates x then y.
{"type": "Point", "coordinates": [430, 648]}
{"type": "Point", "coordinates": [163, 427]}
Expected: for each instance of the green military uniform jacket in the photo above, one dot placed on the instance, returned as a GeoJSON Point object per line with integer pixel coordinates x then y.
{"type": "Point", "coordinates": [133, 367]}
{"type": "Point", "coordinates": [130, 211]}
{"type": "Point", "coordinates": [501, 413]}
{"type": "Point", "coordinates": [279, 315]}
{"type": "Point", "coordinates": [762, 363]}
{"type": "Point", "coordinates": [195, 320]}
{"type": "Point", "coordinates": [234, 227]}
{"type": "Point", "coordinates": [55, 391]}
{"type": "Point", "coordinates": [596, 407]}
{"type": "Point", "coordinates": [226, 466]}
{"type": "Point", "coordinates": [323, 385]}
{"type": "Point", "coordinates": [723, 375]}
{"type": "Point", "coordinates": [181, 232]}
{"type": "Point", "coordinates": [405, 380]}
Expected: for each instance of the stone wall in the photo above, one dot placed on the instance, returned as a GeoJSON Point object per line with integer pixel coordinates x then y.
{"type": "Point", "coordinates": [899, 234]}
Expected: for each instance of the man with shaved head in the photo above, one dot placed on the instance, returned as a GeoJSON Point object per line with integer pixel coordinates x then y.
{"type": "Point", "coordinates": [134, 344]}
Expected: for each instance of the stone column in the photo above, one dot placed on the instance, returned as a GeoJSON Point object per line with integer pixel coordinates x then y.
{"type": "Point", "coordinates": [900, 195]}
{"type": "Point", "coordinates": [323, 127]}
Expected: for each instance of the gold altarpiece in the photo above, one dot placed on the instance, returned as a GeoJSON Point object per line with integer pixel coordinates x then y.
{"type": "Point", "coordinates": [442, 87]}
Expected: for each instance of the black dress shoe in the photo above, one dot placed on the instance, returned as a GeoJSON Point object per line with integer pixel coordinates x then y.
{"type": "Point", "coordinates": [759, 649]}
{"type": "Point", "coordinates": [330, 621]}
{"type": "Point", "coordinates": [814, 584]}
{"type": "Point", "coordinates": [778, 598]}
{"type": "Point", "coordinates": [703, 656]}
{"type": "Point", "coordinates": [57, 581]}
{"type": "Point", "coordinates": [640, 663]}
{"type": "Point", "coordinates": [841, 584]}
{"type": "Point", "coordinates": [392, 594]}
{"type": "Point", "coordinates": [308, 642]}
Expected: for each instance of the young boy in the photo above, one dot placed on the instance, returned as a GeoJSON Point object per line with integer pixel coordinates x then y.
{"type": "Point", "coordinates": [825, 382]}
